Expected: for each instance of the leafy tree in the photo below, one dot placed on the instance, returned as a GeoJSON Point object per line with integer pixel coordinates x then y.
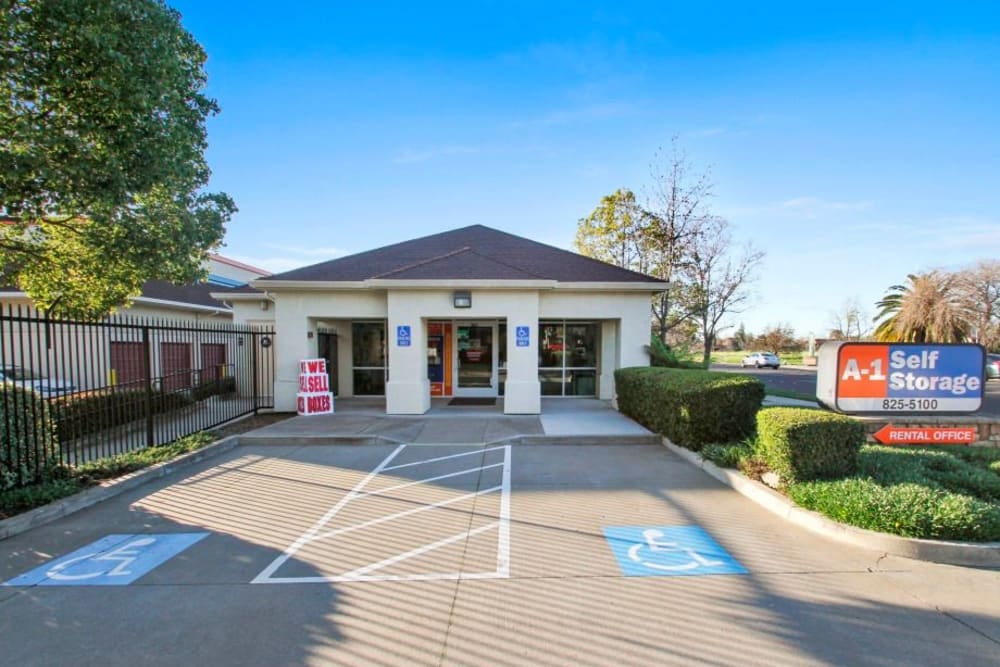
{"type": "Point", "coordinates": [613, 231]}
{"type": "Point", "coordinates": [102, 141]}
{"type": "Point", "coordinates": [927, 309]}
{"type": "Point", "coordinates": [658, 237]}
{"type": "Point", "coordinates": [777, 338]}
{"type": "Point", "coordinates": [741, 339]}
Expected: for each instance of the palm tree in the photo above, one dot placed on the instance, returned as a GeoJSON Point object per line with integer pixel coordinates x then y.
{"type": "Point", "coordinates": [926, 310]}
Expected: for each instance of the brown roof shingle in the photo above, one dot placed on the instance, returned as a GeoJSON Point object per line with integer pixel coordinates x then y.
{"type": "Point", "coordinates": [469, 253]}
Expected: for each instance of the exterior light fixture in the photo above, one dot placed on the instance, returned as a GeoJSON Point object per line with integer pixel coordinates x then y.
{"type": "Point", "coordinates": [462, 299]}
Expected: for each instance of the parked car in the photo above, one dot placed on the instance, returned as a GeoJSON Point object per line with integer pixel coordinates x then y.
{"type": "Point", "coordinates": [24, 377]}
{"type": "Point", "coordinates": [761, 360]}
{"type": "Point", "coordinates": [992, 366]}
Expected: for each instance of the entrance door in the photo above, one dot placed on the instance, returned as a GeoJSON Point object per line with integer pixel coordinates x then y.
{"type": "Point", "coordinates": [476, 358]}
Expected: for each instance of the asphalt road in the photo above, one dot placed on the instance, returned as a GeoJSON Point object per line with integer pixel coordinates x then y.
{"type": "Point", "coordinates": [804, 381]}
{"type": "Point", "coordinates": [508, 555]}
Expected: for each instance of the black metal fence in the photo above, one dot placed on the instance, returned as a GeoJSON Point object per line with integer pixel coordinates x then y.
{"type": "Point", "coordinates": [74, 391]}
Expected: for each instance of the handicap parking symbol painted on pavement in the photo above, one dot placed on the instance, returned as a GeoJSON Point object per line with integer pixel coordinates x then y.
{"type": "Point", "coordinates": [664, 551]}
{"type": "Point", "coordinates": [115, 560]}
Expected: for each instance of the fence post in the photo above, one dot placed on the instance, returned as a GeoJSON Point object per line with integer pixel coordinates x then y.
{"type": "Point", "coordinates": [253, 370]}
{"type": "Point", "coordinates": [148, 368]}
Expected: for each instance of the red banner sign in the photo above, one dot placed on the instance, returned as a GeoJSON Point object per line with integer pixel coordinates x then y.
{"type": "Point", "coordinates": [932, 435]}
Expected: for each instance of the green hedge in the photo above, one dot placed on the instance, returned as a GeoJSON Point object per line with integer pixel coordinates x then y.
{"type": "Point", "coordinates": [77, 415]}
{"type": "Point", "coordinates": [910, 510]}
{"type": "Point", "coordinates": [218, 387]}
{"type": "Point", "coordinates": [28, 441]}
{"type": "Point", "coordinates": [690, 407]}
{"type": "Point", "coordinates": [803, 444]}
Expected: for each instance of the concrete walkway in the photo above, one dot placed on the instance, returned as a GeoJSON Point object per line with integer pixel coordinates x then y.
{"type": "Point", "coordinates": [573, 421]}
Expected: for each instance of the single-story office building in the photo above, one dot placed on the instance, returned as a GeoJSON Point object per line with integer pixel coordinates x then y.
{"type": "Point", "coordinates": [472, 312]}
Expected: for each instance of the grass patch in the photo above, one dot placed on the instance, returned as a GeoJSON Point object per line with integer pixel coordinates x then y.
{"type": "Point", "coordinates": [61, 481]}
{"type": "Point", "coordinates": [927, 492]}
{"type": "Point", "coordinates": [729, 357]}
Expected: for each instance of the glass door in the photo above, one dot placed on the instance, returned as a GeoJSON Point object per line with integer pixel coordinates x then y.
{"type": "Point", "coordinates": [476, 358]}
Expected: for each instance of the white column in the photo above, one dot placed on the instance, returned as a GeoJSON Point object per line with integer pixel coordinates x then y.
{"type": "Point", "coordinates": [609, 357]}
{"type": "Point", "coordinates": [408, 391]}
{"type": "Point", "coordinates": [292, 344]}
{"type": "Point", "coordinates": [522, 393]}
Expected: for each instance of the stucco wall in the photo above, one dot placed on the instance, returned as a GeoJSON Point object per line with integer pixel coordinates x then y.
{"type": "Point", "coordinates": [624, 318]}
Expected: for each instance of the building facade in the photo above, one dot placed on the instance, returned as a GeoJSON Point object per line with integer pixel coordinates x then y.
{"type": "Point", "coordinates": [469, 313]}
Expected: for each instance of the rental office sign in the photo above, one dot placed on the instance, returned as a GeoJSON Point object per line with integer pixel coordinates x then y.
{"type": "Point", "coordinates": [900, 377]}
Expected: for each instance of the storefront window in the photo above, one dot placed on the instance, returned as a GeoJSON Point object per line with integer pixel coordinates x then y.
{"type": "Point", "coordinates": [567, 358]}
{"type": "Point", "coordinates": [368, 356]}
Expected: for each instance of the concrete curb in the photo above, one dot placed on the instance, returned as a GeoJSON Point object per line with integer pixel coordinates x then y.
{"type": "Point", "coordinates": [974, 554]}
{"type": "Point", "coordinates": [109, 489]}
{"type": "Point", "coordinates": [579, 440]}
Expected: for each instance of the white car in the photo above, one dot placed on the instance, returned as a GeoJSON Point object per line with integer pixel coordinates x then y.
{"type": "Point", "coordinates": [23, 377]}
{"type": "Point", "coordinates": [761, 360]}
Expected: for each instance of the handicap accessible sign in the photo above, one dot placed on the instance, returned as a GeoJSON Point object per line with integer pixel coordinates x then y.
{"type": "Point", "coordinates": [665, 551]}
{"type": "Point", "coordinates": [403, 336]}
{"type": "Point", "coordinates": [115, 560]}
{"type": "Point", "coordinates": [523, 336]}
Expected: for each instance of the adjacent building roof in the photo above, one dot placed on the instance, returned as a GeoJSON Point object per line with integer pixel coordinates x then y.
{"type": "Point", "coordinates": [469, 253]}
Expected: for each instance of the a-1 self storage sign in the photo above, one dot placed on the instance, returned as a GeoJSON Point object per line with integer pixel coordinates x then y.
{"type": "Point", "coordinates": [900, 377]}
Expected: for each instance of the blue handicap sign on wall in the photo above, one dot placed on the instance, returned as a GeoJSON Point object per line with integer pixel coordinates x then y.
{"type": "Point", "coordinates": [115, 560]}
{"type": "Point", "coordinates": [664, 551]}
{"type": "Point", "coordinates": [403, 335]}
{"type": "Point", "coordinates": [523, 336]}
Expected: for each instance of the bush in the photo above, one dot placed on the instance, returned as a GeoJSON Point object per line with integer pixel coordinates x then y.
{"type": "Point", "coordinates": [28, 443]}
{"type": "Point", "coordinates": [802, 444]}
{"type": "Point", "coordinates": [662, 355]}
{"type": "Point", "coordinates": [690, 407]}
{"type": "Point", "coordinates": [946, 470]}
{"type": "Point", "coordinates": [730, 455]}
{"type": "Point", "coordinates": [77, 415]}
{"type": "Point", "coordinates": [910, 510]}
{"type": "Point", "coordinates": [217, 387]}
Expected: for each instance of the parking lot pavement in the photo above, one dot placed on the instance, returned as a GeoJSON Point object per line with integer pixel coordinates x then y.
{"type": "Point", "coordinates": [468, 555]}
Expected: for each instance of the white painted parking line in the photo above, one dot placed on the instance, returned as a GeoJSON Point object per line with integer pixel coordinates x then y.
{"type": "Point", "coordinates": [425, 481]}
{"type": "Point", "coordinates": [443, 458]}
{"type": "Point", "coordinates": [320, 533]}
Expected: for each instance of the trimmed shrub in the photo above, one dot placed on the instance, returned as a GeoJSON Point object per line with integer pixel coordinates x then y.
{"type": "Point", "coordinates": [910, 510]}
{"type": "Point", "coordinates": [28, 444]}
{"type": "Point", "coordinates": [802, 444]}
{"type": "Point", "coordinates": [946, 470]}
{"type": "Point", "coordinates": [690, 407]}
{"type": "Point", "coordinates": [77, 415]}
{"type": "Point", "coordinates": [219, 387]}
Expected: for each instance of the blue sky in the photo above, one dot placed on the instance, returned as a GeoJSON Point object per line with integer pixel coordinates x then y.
{"type": "Point", "coordinates": [855, 144]}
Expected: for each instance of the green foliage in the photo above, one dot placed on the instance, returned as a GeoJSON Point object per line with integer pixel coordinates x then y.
{"type": "Point", "coordinates": [690, 407]}
{"type": "Point", "coordinates": [65, 481]}
{"type": "Point", "coordinates": [801, 444]}
{"type": "Point", "coordinates": [28, 441]}
{"type": "Point", "coordinates": [122, 464]}
{"type": "Point", "coordinates": [219, 387]}
{"type": "Point", "coordinates": [729, 455]}
{"type": "Point", "coordinates": [102, 162]}
{"type": "Point", "coordinates": [932, 467]}
{"type": "Point", "coordinates": [662, 355]}
{"type": "Point", "coordinates": [907, 509]}
{"type": "Point", "coordinates": [21, 499]}
{"type": "Point", "coordinates": [77, 415]}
